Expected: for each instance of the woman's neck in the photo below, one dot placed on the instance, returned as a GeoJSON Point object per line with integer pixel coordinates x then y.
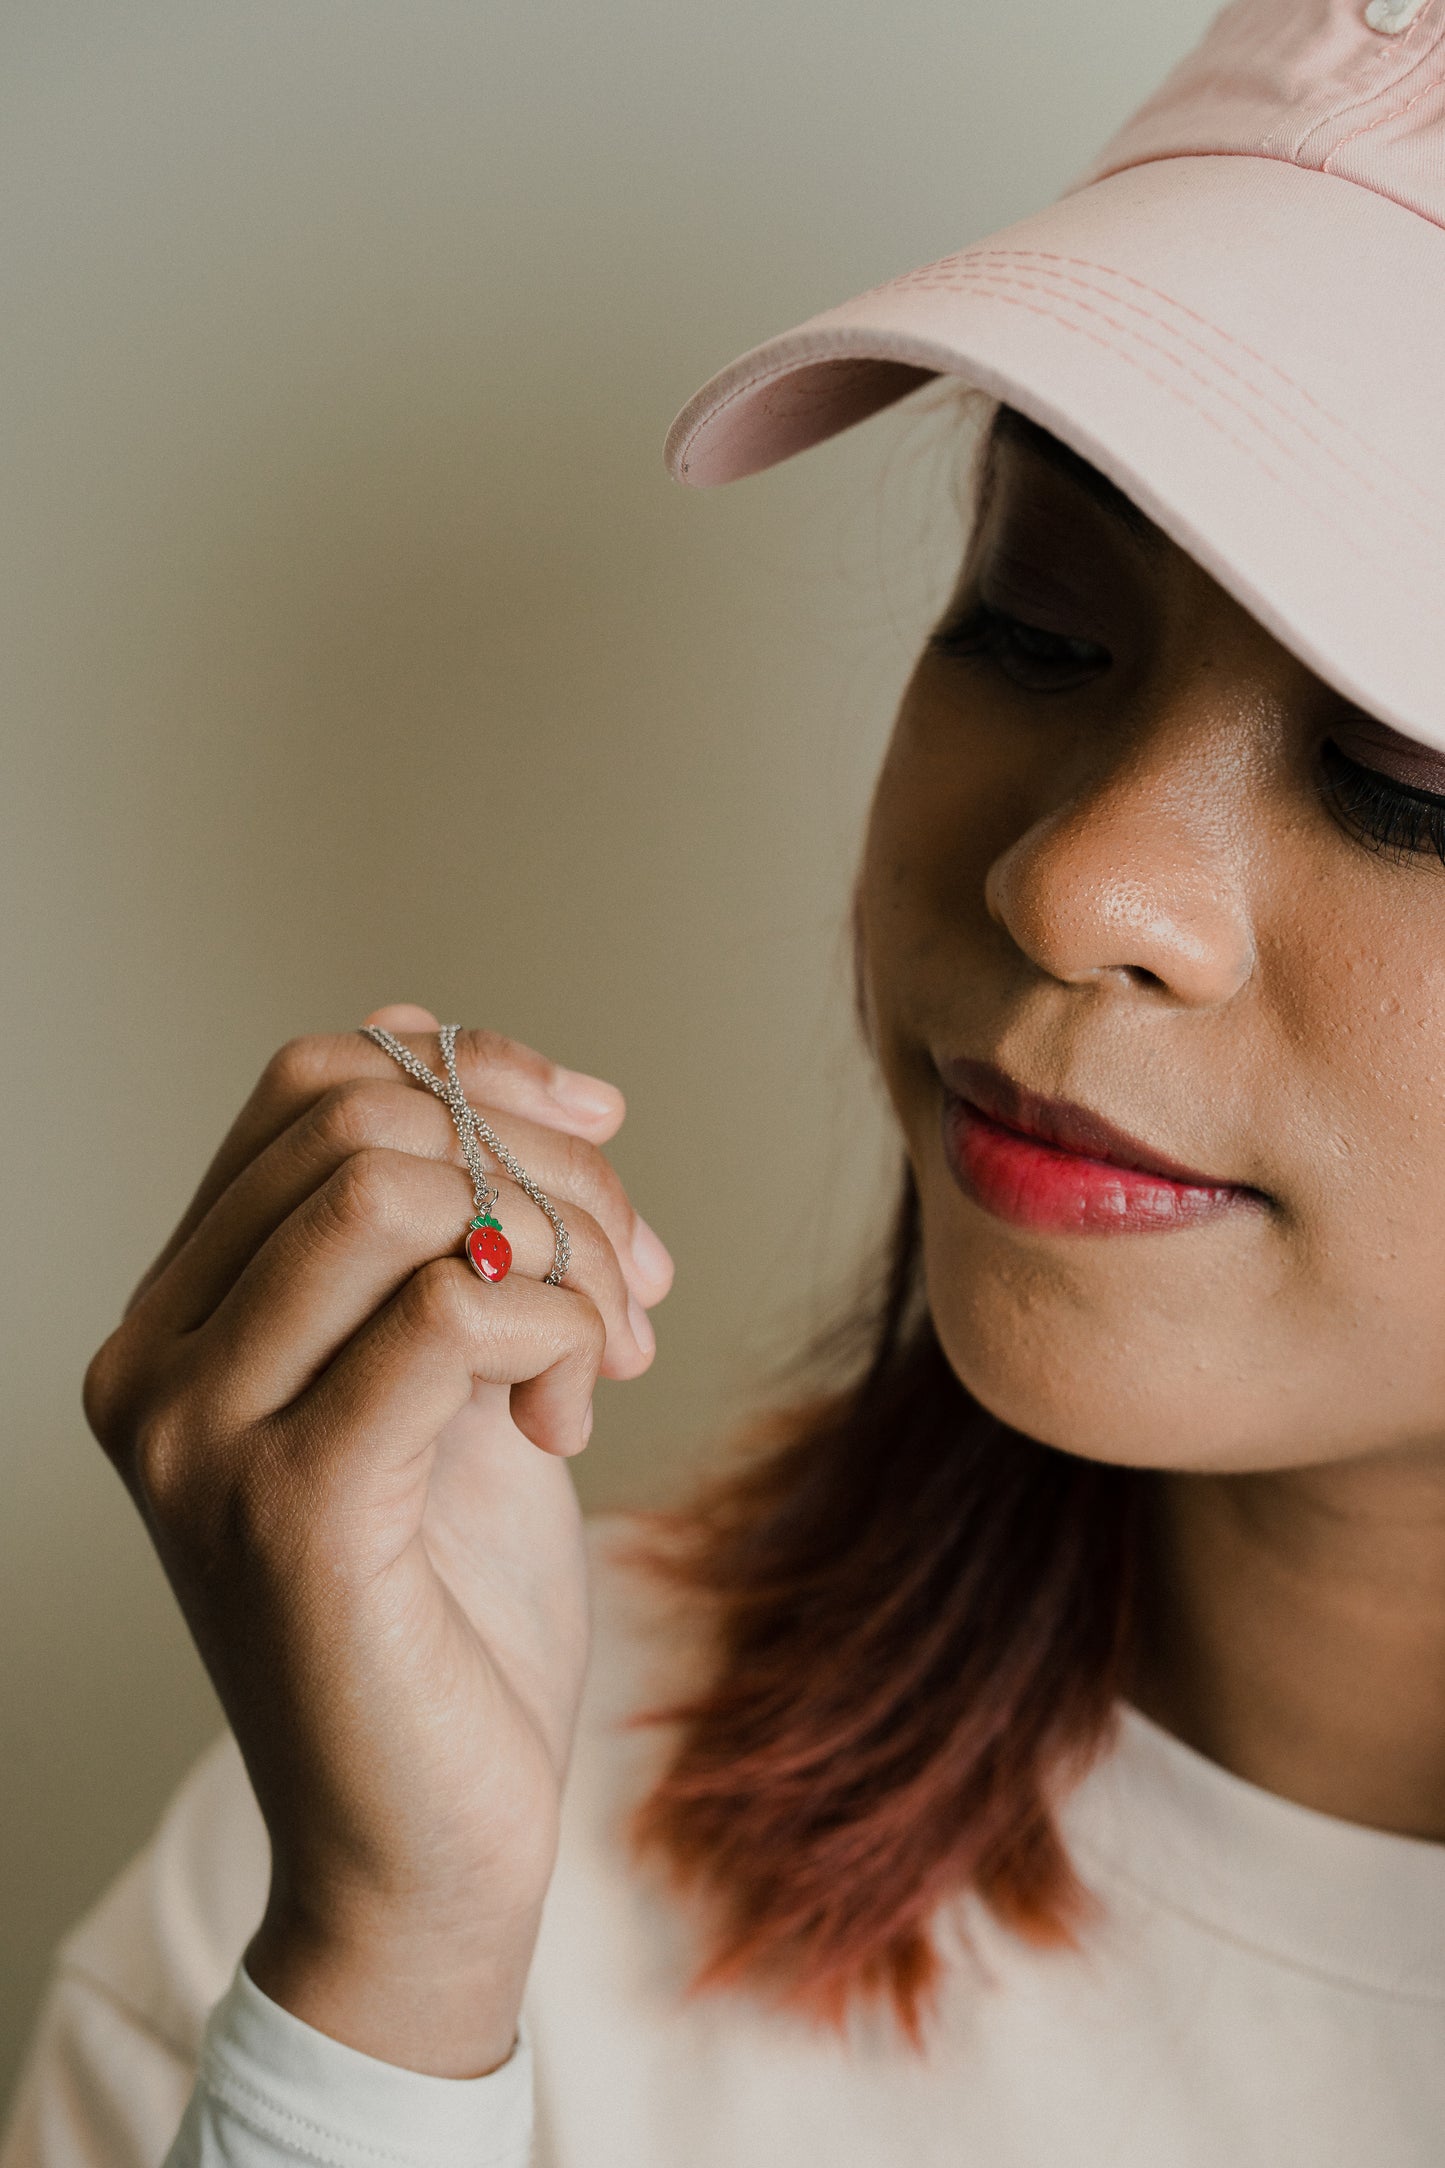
{"type": "Point", "coordinates": [1294, 1631]}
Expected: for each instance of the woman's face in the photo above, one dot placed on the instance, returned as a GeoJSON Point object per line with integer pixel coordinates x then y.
{"type": "Point", "coordinates": [1127, 853]}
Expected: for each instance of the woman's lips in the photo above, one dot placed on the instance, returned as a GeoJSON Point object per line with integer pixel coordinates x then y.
{"type": "Point", "coordinates": [1045, 1163]}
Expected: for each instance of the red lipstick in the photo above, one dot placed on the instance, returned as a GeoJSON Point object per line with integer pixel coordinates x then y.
{"type": "Point", "coordinates": [1052, 1165]}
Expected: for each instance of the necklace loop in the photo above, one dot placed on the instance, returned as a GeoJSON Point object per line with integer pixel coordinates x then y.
{"type": "Point", "coordinates": [488, 1251]}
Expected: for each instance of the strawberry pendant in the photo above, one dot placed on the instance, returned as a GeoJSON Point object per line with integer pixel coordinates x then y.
{"type": "Point", "coordinates": [488, 1250]}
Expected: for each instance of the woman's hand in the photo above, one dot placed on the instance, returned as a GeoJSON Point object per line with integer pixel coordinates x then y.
{"type": "Point", "coordinates": [348, 1450]}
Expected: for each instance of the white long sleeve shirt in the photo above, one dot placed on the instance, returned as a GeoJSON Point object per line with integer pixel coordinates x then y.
{"type": "Point", "coordinates": [1262, 1987]}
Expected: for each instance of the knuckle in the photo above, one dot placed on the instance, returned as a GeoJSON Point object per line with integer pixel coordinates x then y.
{"type": "Point", "coordinates": [172, 1444]}
{"type": "Point", "coordinates": [580, 1163]}
{"type": "Point", "coordinates": [298, 1069]}
{"type": "Point", "coordinates": [212, 1511]}
{"type": "Point", "coordinates": [117, 1379]}
{"type": "Point", "coordinates": [589, 1174]}
{"type": "Point", "coordinates": [589, 1331]}
{"type": "Point", "coordinates": [486, 1052]}
{"type": "Point", "coordinates": [103, 1392]}
{"type": "Point", "coordinates": [592, 1252]}
{"type": "Point", "coordinates": [580, 1175]}
{"type": "Point", "coordinates": [159, 1459]}
{"type": "Point", "coordinates": [610, 1199]}
{"type": "Point", "coordinates": [366, 1190]}
{"type": "Point", "coordinates": [439, 1300]}
{"type": "Point", "coordinates": [355, 1114]}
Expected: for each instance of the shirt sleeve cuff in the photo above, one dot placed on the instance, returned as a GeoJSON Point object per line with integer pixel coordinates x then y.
{"type": "Point", "coordinates": [308, 2097]}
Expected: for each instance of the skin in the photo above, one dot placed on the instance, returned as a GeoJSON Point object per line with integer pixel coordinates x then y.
{"type": "Point", "coordinates": [349, 1450]}
{"type": "Point", "coordinates": [1124, 885]}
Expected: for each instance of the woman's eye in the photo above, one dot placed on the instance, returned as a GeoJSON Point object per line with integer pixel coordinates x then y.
{"type": "Point", "coordinates": [1396, 819]}
{"type": "Point", "coordinates": [1039, 661]}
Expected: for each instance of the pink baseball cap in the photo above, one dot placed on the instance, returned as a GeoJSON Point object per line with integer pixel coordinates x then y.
{"type": "Point", "coordinates": [1238, 315]}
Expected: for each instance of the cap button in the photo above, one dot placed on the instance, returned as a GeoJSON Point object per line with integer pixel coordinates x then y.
{"type": "Point", "coordinates": [1390, 17]}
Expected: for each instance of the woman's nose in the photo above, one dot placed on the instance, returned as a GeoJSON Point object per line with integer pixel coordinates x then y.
{"type": "Point", "coordinates": [1132, 881]}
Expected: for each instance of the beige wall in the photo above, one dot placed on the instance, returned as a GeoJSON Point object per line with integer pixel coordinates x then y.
{"type": "Point", "coordinates": [354, 647]}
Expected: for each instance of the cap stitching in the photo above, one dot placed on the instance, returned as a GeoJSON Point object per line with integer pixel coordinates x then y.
{"type": "Point", "coordinates": [1399, 48]}
{"type": "Point", "coordinates": [1389, 565]}
{"type": "Point", "coordinates": [1001, 284]}
{"type": "Point", "coordinates": [1378, 66]}
{"type": "Point", "coordinates": [1165, 383]}
{"type": "Point", "coordinates": [1380, 120]}
{"type": "Point", "coordinates": [1381, 65]}
{"type": "Point", "coordinates": [1183, 308]}
{"type": "Point", "coordinates": [1367, 548]}
{"type": "Point", "coordinates": [750, 383]}
{"type": "Point", "coordinates": [1356, 473]}
{"type": "Point", "coordinates": [928, 275]}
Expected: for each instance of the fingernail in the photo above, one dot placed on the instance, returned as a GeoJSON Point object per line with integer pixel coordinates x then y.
{"type": "Point", "coordinates": [641, 1324]}
{"type": "Point", "coordinates": [581, 1094]}
{"type": "Point", "coordinates": [652, 1257]}
{"type": "Point", "coordinates": [587, 1424]}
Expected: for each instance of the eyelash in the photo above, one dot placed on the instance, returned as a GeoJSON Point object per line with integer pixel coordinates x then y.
{"type": "Point", "coordinates": [1391, 818]}
{"type": "Point", "coordinates": [1037, 660]}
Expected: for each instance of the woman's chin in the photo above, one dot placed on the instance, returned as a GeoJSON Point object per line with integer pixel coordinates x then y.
{"type": "Point", "coordinates": [1118, 1382]}
{"type": "Point", "coordinates": [1084, 1420]}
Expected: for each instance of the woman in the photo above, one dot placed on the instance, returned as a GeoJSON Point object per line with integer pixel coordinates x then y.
{"type": "Point", "coordinates": [1051, 1765]}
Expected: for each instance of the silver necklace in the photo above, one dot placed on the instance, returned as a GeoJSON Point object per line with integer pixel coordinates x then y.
{"type": "Point", "coordinates": [488, 1251]}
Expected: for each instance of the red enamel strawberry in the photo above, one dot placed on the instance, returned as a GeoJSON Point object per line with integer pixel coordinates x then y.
{"type": "Point", "coordinates": [488, 1250]}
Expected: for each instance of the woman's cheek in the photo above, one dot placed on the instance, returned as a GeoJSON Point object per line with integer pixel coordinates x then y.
{"type": "Point", "coordinates": [1361, 1125]}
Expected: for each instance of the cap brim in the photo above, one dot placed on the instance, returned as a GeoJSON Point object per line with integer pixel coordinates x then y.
{"type": "Point", "coordinates": [1252, 351]}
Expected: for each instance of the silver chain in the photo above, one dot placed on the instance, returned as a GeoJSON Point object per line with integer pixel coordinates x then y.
{"type": "Point", "coordinates": [472, 1132]}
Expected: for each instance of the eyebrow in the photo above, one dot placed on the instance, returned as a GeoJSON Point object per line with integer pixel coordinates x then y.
{"type": "Point", "coordinates": [1011, 427]}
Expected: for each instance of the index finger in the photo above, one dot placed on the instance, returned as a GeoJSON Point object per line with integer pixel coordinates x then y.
{"type": "Point", "coordinates": [500, 1071]}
